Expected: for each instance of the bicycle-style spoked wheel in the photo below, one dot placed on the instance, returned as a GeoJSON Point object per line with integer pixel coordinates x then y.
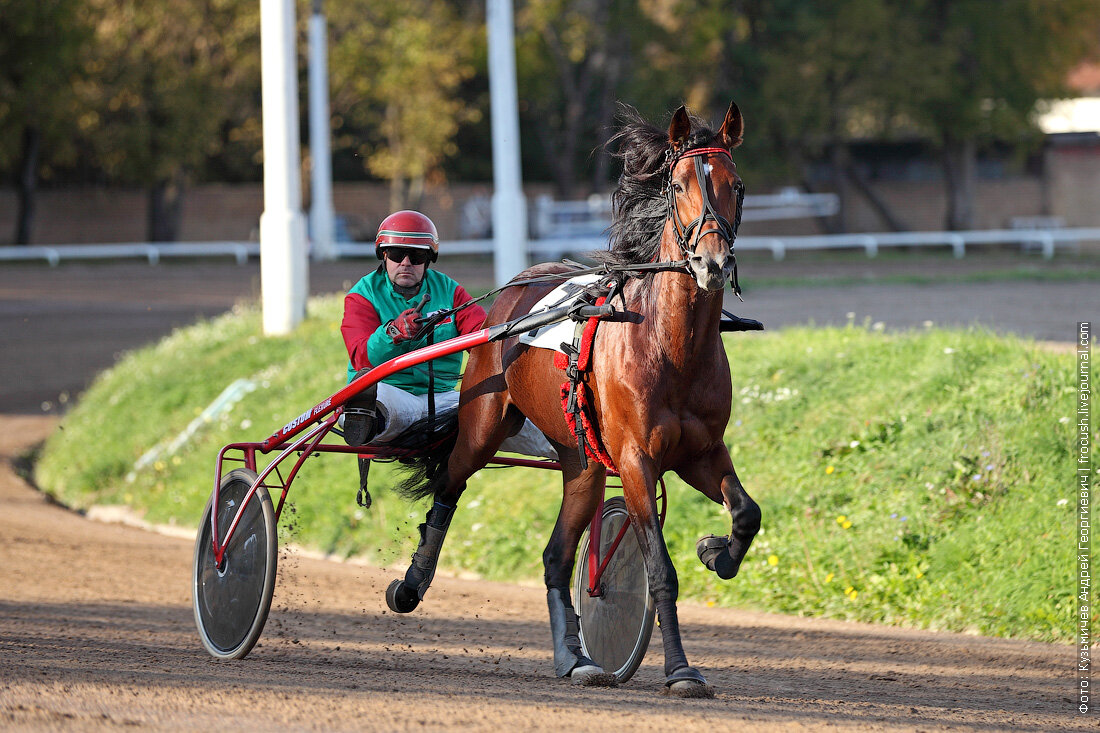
{"type": "Point", "coordinates": [615, 625]}
{"type": "Point", "coordinates": [231, 602]}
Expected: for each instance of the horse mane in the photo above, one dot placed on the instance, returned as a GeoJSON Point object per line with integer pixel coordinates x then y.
{"type": "Point", "coordinates": [638, 208]}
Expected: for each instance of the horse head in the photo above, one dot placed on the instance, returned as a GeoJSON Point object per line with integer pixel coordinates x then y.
{"type": "Point", "coordinates": [704, 195]}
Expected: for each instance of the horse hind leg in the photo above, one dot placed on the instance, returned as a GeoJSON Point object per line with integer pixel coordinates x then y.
{"type": "Point", "coordinates": [404, 594]}
{"type": "Point", "coordinates": [473, 449]}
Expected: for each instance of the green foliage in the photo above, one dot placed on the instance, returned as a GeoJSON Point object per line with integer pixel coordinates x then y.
{"type": "Point", "coordinates": [918, 478]}
{"type": "Point", "coordinates": [397, 68]}
{"type": "Point", "coordinates": [986, 82]}
{"type": "Point", "coordinates": [151, 94]}
{"type": "Point", "coordinates": [42, 43]}
{"type": "Point", "coordinates": [169, 85]}
{"type": "Point", "coordinates": [575, 60]}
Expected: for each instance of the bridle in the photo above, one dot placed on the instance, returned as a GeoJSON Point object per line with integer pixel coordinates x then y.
{"type": "Point", "coordinates": [688, 236]}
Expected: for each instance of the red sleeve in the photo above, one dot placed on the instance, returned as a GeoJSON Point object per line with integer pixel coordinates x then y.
{"type": "Point", "coordinates": [360, 321]}
{"type": "Point", "coordinates": [470, 318]}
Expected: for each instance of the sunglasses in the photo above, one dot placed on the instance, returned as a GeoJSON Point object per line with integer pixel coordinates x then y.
{"type": "Point", "coordinates": [398, 254]}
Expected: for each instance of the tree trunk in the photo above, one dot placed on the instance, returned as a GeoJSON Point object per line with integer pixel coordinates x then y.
{"type": "Point", "coordinates": [28, 184]}
{"type": "Point", "coordinates": [601, 176]}
{"type": "Point", "coordinates": [959, 159]}
{"type": "Point", "coordinates": [876, 202]}
{"type": "Point", "coordinates": [841, 161]}
{"type": "Point", "coordinates": [165, 207]}
{"type": "Point", "coordinates": [562, 156]}
{"type": "Point", "coordinates": [416, 194]}
{"type": "Point", "coordinates": [398, 194]}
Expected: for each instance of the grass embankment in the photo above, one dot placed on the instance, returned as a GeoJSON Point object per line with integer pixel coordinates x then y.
{"type": "Point", "coordinates": [922, 478]}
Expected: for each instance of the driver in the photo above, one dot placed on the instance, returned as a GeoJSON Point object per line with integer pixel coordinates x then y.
{"type": "Point", "coordinates": [383, 313]}
{"type": "Point", "coordinates": [382, 317]}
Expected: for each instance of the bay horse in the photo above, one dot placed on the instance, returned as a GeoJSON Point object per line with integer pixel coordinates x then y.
{"type": "Point", "coordinates": [660, 383]}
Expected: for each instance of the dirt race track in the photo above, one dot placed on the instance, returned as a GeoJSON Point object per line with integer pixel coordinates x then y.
{"type": "Point", "coordinates": [96, 631]}
{"type": "Point", "coordinates": [96, 628]}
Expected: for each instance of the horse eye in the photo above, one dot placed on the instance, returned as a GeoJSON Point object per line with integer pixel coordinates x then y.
{"type": "Point", "coordinates": [677, 187]}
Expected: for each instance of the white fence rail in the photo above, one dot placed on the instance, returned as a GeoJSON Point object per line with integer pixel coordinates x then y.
{"type": "Point", "coordinates": [151, 251]}
{"type": "Point", "coordinates": [1045, 241]}
{"type": "Point", "coordinates": [589, 217]}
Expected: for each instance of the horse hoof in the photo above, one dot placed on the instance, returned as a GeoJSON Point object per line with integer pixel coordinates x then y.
{"type": "Point", "coordinates": [591, 675]}
{"type": "Point", "coordinates": [400, 598]}
{"type": "Point", "coordinates": [714, 553]}
{"type": "Point", "coordinates": [690, 689]}
{"type": "Point", "coordinates": [688, 682]}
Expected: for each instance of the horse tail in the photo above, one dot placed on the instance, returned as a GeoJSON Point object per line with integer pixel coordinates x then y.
{"type": "Point", "coordinates": [429, 443]}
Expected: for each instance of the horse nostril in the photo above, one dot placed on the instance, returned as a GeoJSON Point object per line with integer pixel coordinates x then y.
{"type": "Point", "coordinates": [709, 265]}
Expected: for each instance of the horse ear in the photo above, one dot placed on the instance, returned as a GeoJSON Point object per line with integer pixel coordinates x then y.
{"type": "Point", "coordinates": [733, 127]}
{"type": "Point", "coordinates": [680, 128]}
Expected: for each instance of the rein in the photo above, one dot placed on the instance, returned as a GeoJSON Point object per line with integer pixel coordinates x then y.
{"type": "Point", "coordinates": [643, 268]}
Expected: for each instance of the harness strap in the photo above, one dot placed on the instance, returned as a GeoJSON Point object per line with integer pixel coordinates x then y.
{"type": "Point", "coordinates": [431, 381]}
{"type": "Point", "coordinates": [571, 388]}
{"type": "Point", "coordinates": [576, 360]}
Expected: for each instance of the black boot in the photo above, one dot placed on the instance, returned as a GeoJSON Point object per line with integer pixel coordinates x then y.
{"type": "Point", "coordinates": [361, 419]}
{"type": "Point", "coordinates": [404, 595]}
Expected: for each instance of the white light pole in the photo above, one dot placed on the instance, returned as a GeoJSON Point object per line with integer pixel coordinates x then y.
{"type": "Point", "coordinates": [284, 269]}
{"type": "Point", "coordinates": [321, 213]}
{"type": "Point", "coordinates": [509, 205]}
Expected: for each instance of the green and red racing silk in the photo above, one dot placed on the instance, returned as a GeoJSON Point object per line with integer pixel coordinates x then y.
{"type": "Point", "coordinates": [372, 303]}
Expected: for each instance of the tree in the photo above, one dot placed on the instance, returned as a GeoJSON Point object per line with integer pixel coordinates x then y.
{"type": "Point", "coordinates": [168, 84]}
{"type": "Point", "coordinates": [576, 60]}
{"type": "Point", "coordinates": [815, 76]}
{"type": "Point", "coordinates": [397, 66]}
{"type": "Point", "coordinates": [41, 47]}
{"type": "Point", "coordinates": [812, 77]}
{"type": "Point", "coordinates": [571, 63]}
{"type": "Point", "coordinates": [995, 67]}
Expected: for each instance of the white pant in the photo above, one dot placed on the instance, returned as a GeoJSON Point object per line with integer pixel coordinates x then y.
{"type": "Point", "coordinates": [401, 409]}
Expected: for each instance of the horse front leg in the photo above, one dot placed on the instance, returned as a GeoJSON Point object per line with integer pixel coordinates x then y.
{"type": "Point", "coordinates": [714, 477]}
{"type": "Point", "coordinates": [639, 479]}
{"type": "Point", "coordinates": [581, 493]}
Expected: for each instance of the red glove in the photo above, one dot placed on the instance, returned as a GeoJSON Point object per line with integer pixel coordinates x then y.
{"type": "Point", "coordinates": [405, 326]}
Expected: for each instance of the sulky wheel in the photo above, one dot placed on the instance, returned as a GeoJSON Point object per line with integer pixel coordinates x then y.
{"type": "Point", "coordinates": [232, 602]}
{"type": "Point", "coordinates": [617, 624]}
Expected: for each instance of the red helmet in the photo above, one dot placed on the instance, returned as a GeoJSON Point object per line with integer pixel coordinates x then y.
{"type": "Point", "coordinates": [407, 229]}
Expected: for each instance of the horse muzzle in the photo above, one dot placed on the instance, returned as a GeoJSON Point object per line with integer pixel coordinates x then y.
{"type": "Point", "coordinates": [711, 273]}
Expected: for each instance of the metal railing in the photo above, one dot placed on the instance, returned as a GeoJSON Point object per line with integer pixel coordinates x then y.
{"type": "Point", "coordinates": [553, 219]}
{"type": "Point", "coordinates": [1045, 241]}
{"type": "Point", "coordinates": [151, 251]}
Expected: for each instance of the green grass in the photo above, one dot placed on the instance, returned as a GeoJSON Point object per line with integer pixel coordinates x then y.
{"type": "Point", "coordinates": [996, 275]}
{"type": "Point", "coordinates": [922, 478]}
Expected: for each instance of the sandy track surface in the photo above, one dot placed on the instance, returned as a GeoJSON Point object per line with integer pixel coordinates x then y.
{"type": "Point", "coordinates": [96, 632]}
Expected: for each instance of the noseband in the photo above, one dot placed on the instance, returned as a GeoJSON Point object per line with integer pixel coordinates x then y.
{"type": "Point", "coordinates": [688, 236]}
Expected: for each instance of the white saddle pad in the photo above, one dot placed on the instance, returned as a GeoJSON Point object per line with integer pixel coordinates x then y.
{"type": "Point", "coordinates": [552, 336]}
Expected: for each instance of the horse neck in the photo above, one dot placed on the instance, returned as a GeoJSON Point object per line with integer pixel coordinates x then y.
{"type": "Point", "coordinates": [682, 318]}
